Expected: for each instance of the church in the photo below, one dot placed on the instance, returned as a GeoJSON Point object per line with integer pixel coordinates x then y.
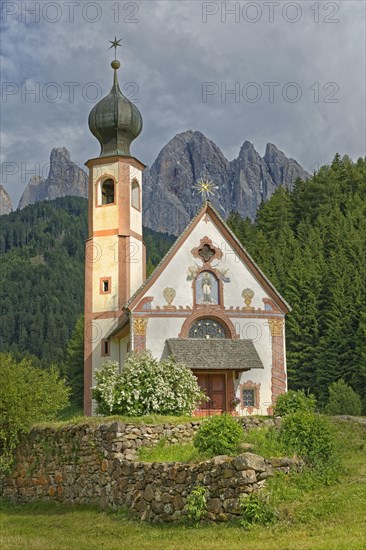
{"type": "Point", "coordinates": [207, 303]}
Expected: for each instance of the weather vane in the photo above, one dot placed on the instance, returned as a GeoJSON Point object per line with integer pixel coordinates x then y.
{"type": "Point", "coordinates": [115, 43]}
{"type": "Point", "coordinates": [205, 187]}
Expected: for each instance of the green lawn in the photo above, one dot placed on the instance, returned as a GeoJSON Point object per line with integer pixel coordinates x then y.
{"type": "Point", "coordinates": [312, 516]}
{"type": "Point", "coordinates": [163, 452]}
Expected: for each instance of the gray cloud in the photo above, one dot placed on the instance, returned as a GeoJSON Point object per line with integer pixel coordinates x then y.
{"type": "Point", "coordinates": [168, 53]}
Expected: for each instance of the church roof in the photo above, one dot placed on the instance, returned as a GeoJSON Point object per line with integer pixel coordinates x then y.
{"type": "Point", "coordinates": [215, 353]}
{"type": "Point", "coordinates": [207, 208]}
{"type": "Point", "coordinates": [115, 121]}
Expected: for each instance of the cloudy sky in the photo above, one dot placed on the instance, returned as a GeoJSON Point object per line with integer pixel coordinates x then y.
{"type": "Point", "coordinates": [289, 73]}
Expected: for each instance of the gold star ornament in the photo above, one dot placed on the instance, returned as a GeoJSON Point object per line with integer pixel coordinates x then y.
{"type": "Point", "coordinates": [205, 187]}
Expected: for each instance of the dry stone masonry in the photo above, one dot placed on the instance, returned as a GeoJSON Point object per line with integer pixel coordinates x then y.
{"type": "Point", "coordinates": [97, 464]}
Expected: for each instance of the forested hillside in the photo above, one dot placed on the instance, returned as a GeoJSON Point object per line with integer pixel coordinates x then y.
{"type": "Point", "coordinates": [42, 275]}
{"type": "Point", "coordinates": [311, 242]}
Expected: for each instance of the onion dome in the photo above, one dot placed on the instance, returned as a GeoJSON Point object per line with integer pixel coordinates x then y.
{"type": "Point", "coordinates": [115, 121]}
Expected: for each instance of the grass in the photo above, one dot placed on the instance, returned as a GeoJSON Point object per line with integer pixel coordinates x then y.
{"type": "Point", "coordinates": [72, 412]}
{"type": "Point", "coordinates": [68, 418]}
{"type": "Point", "coordinates": [265, 442]}
{"type": "Point", "coordinates": [313, 516]}
{"type": "Point", "coordinates": [163, 452]}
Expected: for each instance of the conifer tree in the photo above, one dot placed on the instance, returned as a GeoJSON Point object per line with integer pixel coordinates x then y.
{"type": "Point", "coordinates": [74, 365]}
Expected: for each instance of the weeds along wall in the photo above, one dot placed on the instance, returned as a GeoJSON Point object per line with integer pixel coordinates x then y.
{"type": "Point", "coordinates": [97, 464]}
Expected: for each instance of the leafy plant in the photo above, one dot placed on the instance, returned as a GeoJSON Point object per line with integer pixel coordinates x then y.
{"type": "Point", "coordinates": [196, 506]}
{"type": "Point", "coordinates": [256, 510]}
{"type": "Point", "coordinates": [146, 386]}
{"type": "Point", "coordinates": [28, 395]}
{"type": "Point", "coordinates": [343, 400]}
{"type": "Point", "coordinates": [294, 401]}
{"type": "Point", "coordinates": [219, 435]}
{"type": "Point", "coordinates": [308, 435]}
{"type": "Point", "coordinates": [266, 442]}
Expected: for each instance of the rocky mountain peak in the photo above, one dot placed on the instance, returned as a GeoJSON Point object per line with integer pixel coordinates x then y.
{"type": "Point", "coordinates": [59, 154]}
{"type": "Point", "coordinates": [283, 170]}
{"type": "Point", "coordinates": [5, 202]}
{"type": "Point", "coordinates": [170, 200]}
{"type": "Point", "coordinates": [64, 178]}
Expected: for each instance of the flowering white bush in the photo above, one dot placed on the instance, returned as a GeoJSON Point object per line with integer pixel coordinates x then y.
{"type": "Point", "coordinates": [146, 386]}
{"type": "Point", "coordinates": [105, 391]}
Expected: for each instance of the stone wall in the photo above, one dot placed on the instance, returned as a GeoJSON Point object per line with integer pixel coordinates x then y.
{"type": "Point", "coordinates": [97, 465]}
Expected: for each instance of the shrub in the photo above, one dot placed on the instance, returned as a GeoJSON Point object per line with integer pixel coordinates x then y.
{"type": "Point", "coordinates": [219, 435]}
{"type": "Point", "coordinates": [196, 507]}
{"type": "Point", "coordinates": [308, 435]}
{"type": "Point", "coordinates": [266, 442]}
{"type": "Point", "coordinates": [106, 390]}
{"type": "Point", "coordinates": [293, 401]}
{"type": "Point", "coordinates": [146, 386]}
{"type": "Point", "coordinates": [28, 394]}
{"type": "Point", "coordinates": [256, 510]}
{"type": "Point", "coordinates": [343, 400]}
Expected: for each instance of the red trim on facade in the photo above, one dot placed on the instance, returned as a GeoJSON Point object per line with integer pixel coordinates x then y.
{"type": "Point", "coordinates": [102, 281]}
{"type": "Point", "coordinates": [278, 379]}
{"type": "Point", "coordinates": [105, 233]}
{"type": "Point", "coordinates": [133, 161]}
{"type": "Point", "coordinates": [207, 241]}
{"type": "Point", "coordinates": [139, 342]}
{"type": "Point", "coordinates": [113, 314]}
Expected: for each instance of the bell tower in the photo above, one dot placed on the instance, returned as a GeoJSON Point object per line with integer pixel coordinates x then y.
{"type": "Point", "coordinates": [115, 263]}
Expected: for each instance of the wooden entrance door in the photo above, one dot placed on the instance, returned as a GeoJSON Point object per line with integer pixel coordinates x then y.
{"type": "Point", "coordinates": [215, 387]}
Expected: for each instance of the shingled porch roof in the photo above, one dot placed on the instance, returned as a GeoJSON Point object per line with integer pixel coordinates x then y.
{"type": "Point", "coordinates": [215, 353]}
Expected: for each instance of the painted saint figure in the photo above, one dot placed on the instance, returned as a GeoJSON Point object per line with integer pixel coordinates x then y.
{"type": "Point", "coordinates": [206, 287]}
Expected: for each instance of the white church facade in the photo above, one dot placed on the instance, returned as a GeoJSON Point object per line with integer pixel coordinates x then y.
{"type": "Point", "coordinates": [207, 303]}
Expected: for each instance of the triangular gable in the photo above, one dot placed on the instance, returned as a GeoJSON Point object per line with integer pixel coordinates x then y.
{"type": "Point", "coordinates": [220, 224]}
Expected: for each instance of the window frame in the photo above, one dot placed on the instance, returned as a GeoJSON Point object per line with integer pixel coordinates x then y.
{"type": "Point", "coordinates": [135, 181]}
{"type": "Point", "coordinates": [103, 280]}
{"type": "Point", "coordinates": [103, 343]}
{"type": "Point", "coordinates": [99, 191]}
{"type": "Point", "coordinates": [250, 385]}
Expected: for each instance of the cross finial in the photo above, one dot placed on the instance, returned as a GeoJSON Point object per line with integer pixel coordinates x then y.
{"type": "Point", "coordinates": [205, 187]}
{"type": "Point", "coordinates": [115, 43]}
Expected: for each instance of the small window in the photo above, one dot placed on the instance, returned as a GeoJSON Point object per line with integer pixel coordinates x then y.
{"type": "Point", "coordinates": [206, 328]}
{"type": "Point", "coordinates": [105, 285]}
{"type": "Point", "coordinates": [105, 347]}
{"type": "Point", "coordinates": [135, 194]}
{"type": "Point", "coordinates": [108, 191]}
{"type": "Point", "coordinates": [248, 398]}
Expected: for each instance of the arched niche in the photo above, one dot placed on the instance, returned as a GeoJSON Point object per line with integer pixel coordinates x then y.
{"type": "Point", "coordinates": [135, 194]}
{"type": "Point", "coordinates": [106, 191]}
